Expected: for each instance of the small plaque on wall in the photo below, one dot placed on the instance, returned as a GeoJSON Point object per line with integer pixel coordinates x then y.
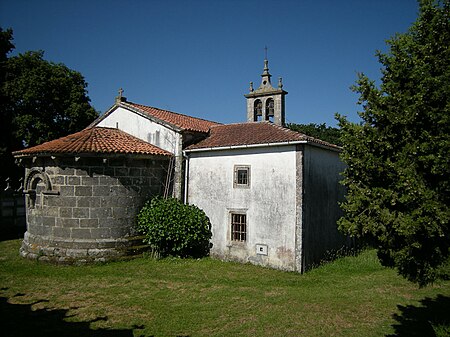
{"type": "Point", "coordinates": [261, 249]}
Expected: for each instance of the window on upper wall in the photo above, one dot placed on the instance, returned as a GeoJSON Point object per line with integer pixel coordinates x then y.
{"type": "Point", "coordinates": [241, 176]}
{"type": "Point", "coordinates": [238, 227]}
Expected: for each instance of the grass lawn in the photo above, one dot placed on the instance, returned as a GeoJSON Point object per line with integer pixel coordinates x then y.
{"type": "Point", "coordinates": [353, 296]}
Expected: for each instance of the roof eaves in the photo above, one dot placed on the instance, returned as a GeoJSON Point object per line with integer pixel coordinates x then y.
{"type": "Point", "coordinates": [308, 141]}
{"type": "Point", "coordinates": [246, 146]}
{"type": "Point", "coordinates": [325, 145]}
{"type": "Point", "coordinates": [18, 154]}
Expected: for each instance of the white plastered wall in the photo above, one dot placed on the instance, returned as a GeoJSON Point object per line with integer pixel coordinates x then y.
{"type": "Point", "coordinates": [143, 128]}
{"type": "Point", "coordinates": [269, 202]}
{"type": "Point", "coordinates": [322, 193]}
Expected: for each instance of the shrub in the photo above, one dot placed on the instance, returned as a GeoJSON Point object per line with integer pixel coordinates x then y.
{"type": "Point", "coordinates": [173, 228]}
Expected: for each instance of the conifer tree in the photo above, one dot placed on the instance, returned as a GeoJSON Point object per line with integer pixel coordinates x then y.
{"type": "Point", "coordinates": [398, 157]}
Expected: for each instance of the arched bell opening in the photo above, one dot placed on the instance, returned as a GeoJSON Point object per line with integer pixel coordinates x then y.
{"type": "Point", "coordinates": [257, 110]}
{"type": "Point", "coordinates": [270, 110]}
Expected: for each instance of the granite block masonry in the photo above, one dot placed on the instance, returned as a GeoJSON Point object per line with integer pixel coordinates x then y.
{"type": "Point", "coordinates": [84, 209]}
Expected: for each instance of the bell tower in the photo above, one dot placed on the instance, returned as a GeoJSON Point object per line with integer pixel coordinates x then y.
{"type": "Point", "coordinates": [266, 103]}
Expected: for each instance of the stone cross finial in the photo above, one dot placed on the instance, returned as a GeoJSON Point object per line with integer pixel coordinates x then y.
{"type": "Point", "coordinates": [120, 98]}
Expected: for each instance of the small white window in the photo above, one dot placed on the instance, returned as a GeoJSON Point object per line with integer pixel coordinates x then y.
{"type": "Point", "coordinates": [241, 176]}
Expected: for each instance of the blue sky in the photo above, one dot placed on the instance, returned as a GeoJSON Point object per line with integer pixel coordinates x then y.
{"type": "Point", "coordinates": [197, 57]}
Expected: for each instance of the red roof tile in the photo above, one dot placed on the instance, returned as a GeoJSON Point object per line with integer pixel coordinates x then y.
{"type": "Point", "coordinates": [184, 122]}
{"type": "Point", "coordinates": [251, 134]}
{"type": "Point", "coordinates": [94, 140]}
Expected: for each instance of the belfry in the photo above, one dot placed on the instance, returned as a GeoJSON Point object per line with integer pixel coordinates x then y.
{"type": "Point", "coordinates": [266, 103]}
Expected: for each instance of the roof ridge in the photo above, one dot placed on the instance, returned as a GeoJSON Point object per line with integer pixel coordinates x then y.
{"type": "Point", "coordinates": [257, 123]}
{"type": "Point", "coordinates": [242, 123]}
{"type": "Point", "coordinates": [173, 112]}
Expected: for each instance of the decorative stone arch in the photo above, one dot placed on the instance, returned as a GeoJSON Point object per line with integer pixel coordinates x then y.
{"type": "Point", "coordinates": [32, 179]}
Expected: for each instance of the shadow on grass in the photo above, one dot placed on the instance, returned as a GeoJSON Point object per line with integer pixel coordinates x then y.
{"type": "Point", "coordinates": [20, 320]}
{"type": "Point", "coordinates": [431, 318]}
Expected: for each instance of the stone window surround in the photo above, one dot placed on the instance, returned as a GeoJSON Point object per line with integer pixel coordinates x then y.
{"type": "Point", "coordinates": [238, 226]}
{"type": "Point", "coordinates": [236, 177]}
{"type": "Point", "coordinates": [32, 180]}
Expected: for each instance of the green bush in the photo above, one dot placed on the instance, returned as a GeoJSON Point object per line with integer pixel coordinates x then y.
{"type": "Point", "coordinates": [173, 228]}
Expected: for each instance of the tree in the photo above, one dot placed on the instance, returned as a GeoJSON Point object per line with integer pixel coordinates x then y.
{"type": "Point", "coordinates": [42, 101]}
{"type": "Point", "coordinates": [320, 131]}
{"type": "Point", "coordinates": [398, 157]}
{"type": "Point", "coordinates": [6, 46]}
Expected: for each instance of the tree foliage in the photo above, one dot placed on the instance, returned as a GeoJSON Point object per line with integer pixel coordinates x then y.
{"type": "Point", "coordinates": [398, 158]}
{"type": "Point", "coordinates": [321, 131]}
{"type": "Point", "coordinates": [173, 228]}
{"type": "Point", "coordinates": [7, 166]}
{"type": "Point", "coordinates": [42, 100]}
{"type": "Point", "coordinates": [6, 45]}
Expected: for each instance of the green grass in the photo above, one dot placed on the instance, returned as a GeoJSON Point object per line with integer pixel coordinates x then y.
{"type": "Point", "coordinates": [352, 296]}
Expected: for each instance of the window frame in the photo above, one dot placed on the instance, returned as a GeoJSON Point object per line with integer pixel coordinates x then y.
{"type": "Point", "coordinates": [238, 235]}
{"type": "Point", "coordinates": [238, 168]}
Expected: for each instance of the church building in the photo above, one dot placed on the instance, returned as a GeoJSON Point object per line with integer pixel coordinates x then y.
{"type": "Point", "coordinates": [270, 193]}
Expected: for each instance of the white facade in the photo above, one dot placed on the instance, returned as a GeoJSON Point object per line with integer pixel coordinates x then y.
{"type": "Point", "coordinates": [291, 203]}
{"type": "Point", "coordinates": [143, 128]}
{"type": "Point", "coordinates": [269, 202]}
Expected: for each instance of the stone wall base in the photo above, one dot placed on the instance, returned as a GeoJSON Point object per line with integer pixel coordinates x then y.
{"type": "Point", "coordinates": [62, 251]}
{"type": "Point", "coordinates": [257, 260]}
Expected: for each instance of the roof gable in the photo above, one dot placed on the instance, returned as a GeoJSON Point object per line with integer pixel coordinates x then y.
{"type": "Point", "coordinates": [173, 120]}
{"type": "Point", "coordinates": [94, 140]}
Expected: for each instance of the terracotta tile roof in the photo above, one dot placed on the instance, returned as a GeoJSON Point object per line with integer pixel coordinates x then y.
{"type": "Point", "coordinates": [94, 140]}
{"type": "Point", "coordinates": [184, 122]}
{"type": "Point", "coordinates": [251, 134]}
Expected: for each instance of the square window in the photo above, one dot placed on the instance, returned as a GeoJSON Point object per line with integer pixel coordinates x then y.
{"type": "Point", "coordinates": [241, 176]}
{"type": "Point", "coordinates": [238, 227]}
